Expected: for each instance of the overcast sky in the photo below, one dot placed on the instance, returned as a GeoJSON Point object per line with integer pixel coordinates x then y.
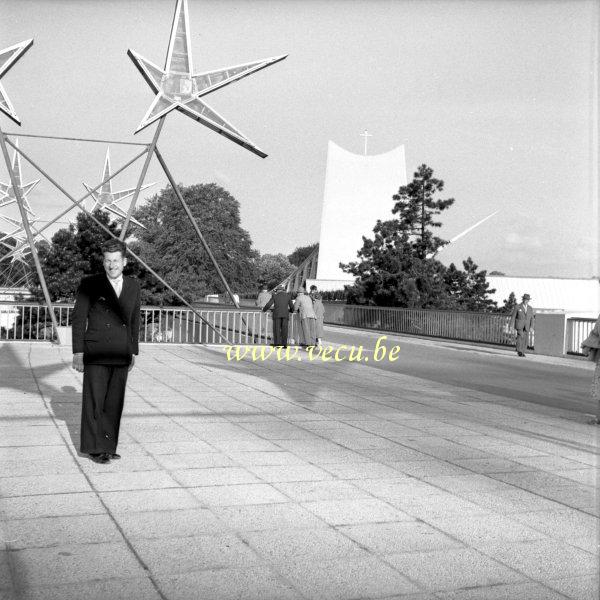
{"type": "Point", "coordinates": [498, 97]}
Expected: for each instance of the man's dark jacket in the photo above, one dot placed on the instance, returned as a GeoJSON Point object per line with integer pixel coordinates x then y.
{"type": "Point", "coordinates": [282, 305]}
{"type": "Point", "coordinates": [106, 328]}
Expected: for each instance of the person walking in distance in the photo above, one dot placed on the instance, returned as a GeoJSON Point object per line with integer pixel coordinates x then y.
{"type": "Point", "coordinates": [106, 324]}
{"type": "Point", "coordinates": [521, 320]}
{"type": "Point", "coordinates": [263, 297]}
{"type": "Point", "coordinates": [319, 314]}
{"type": "Point", "coordinates": [281, 301]}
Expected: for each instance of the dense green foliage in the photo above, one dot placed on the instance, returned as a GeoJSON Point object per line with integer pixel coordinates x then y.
{"type": "Point", "coordinates": [170, 245]}
{"type": "Point", "coordinates": [273, 269]}
{"type": "Point", "coordinates": [397, 267]}
{"type": "Point", "coordinates": [300, 254]}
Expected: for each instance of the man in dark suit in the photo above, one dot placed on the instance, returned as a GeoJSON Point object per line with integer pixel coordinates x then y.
{"type": "Point", "coordinates": [106, 324]}
{"type": "Point", "coordinates": [282, 304]}
{"type": "Point", "coordinates": [521, 319]}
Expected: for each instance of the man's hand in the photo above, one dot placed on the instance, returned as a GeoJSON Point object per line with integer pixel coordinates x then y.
{"type": "Point", "coordinates": [131, 363]}
{"type": "Point", "coordinates": [78, 361]}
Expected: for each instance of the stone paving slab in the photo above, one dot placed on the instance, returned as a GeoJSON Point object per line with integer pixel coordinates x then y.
{"type": "Point", "coordinates": [271, 480]}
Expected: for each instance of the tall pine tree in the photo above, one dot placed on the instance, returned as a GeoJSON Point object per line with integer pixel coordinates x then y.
{"type": "Point", "coordinates": [396, 267]}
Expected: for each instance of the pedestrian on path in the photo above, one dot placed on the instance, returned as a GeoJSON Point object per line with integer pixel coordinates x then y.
{"type": "Point", "coordinates": [106, 329]}
{"type": "Point", "coordinates": [304, 306]}
{"type": "Point", "coordinates": [591, 348]}
{"type": "Point", "coordinates": [320, 317]}
{"type": "Point", "coordinates": [281, 301]}
{"type": "Point", "coordinates": [521, 320]}
{"type": "Point", "coordinates": [263, 297]}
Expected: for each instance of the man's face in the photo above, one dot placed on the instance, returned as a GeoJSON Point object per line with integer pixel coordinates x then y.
{"type": "Point", "coordinates": [114, 263]}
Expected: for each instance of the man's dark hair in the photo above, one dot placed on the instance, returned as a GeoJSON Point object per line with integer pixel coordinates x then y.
{"type": "Point", "coordinates": [114, 246]}
{"type": "Point", "coordinates": [313, 287]}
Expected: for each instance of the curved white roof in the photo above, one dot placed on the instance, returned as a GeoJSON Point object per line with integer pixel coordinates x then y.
{"type": "Point", "coordinates": [358, 191]}
{"type": "Point", "coordinates": [580, 296]}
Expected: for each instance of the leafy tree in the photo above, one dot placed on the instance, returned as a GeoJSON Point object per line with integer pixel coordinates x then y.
{"type": "Point", "coordinates": [300, 254]}
{"type": "Point", "coordinates": [509, 303]}
{"type": "Point", "coordinates": [468, 289]}
{"type": "Point", "coordinates": [171, 247]}
{"type": "Point", "coordinates": [273, 269]}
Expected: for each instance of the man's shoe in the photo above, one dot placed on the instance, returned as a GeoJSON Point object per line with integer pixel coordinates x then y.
{"type": "Point", "coordinates": [115, 456]}
{"type": "Point", "coordinates": [520, 354]}
{"type": "Point", "coordinates": [100, 458]}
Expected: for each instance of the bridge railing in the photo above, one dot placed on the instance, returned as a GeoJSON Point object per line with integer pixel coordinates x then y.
{"type": "Point", "coordinates": [577, 330]}
{"type": "Point", "coordinates": [490, 328]}
{"type": "Point", "coordinates": [184, 326]}
{"type": "Point", "coordinates": [31, 322]}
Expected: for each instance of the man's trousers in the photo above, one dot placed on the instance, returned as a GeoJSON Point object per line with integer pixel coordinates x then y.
{"type": "Point", "coordinates": [102, 406]}
{"type": "Point", "coordinates": [522, 339]}
{"type": "Point", "coordinates": [280, 331]}
{"type": "Point", "coordinates": [308, 327]}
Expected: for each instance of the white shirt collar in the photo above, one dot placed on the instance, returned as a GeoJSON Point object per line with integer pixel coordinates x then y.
{"type": "Point", "coordinates": [118, 279]}
{"type": "Point", "coordinates": [117, 283]}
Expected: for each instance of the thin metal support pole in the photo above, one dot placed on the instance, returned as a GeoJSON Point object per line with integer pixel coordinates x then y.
{"type": "Point", "coordinates": [142, 176]}
{"type": "Point", "coordinates": [25, 222]}
{"type": "Point", "coordinates": [76, 202]}
{"type": "Point", "coordinates": [76, 139]}
{"type": "Point", "coordinates": [195, 225]}
{"type": "Point", "coordinates": [112, 235]}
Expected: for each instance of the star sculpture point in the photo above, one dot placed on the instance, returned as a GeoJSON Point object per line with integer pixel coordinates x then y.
{"type": "Point", "coordinates": [105, 199]}
{"type": "Point", "coordinates": [178, 87]}
{"type": "Point", "coordinates": [8, 57]}
{"type": "Point", "coordinates": [7, 192]}
{"type": "Point", "coordinates": [21, 249]}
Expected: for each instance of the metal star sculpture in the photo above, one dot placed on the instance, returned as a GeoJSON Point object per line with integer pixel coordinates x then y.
{"type": "Point", "coordinates": [8, 58]}
{"type": "Point", "coordinates": [106, 199]}
{"type": "Point", "coordinates": [20, 237]}
{"type": "Point", "coordinates": [7, 192]}
{"type": "Point", "coordinates": [177, 87]}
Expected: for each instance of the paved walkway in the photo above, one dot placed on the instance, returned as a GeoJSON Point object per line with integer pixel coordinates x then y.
{"type": "Point", "coordinates": [285, 481]}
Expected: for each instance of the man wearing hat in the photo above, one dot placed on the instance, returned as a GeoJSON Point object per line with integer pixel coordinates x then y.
{"type": "Point", "coordinates": [281, 301]}
{"type": "Point", "coordinates": [521, 319]}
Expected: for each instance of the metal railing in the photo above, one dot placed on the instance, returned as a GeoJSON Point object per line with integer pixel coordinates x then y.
{"type": "Point", "coordinates": [577, 330]}
{"type": "Point", "coordinates": [183, 326]}
{"type": "Point", "coordinates": [490, 328]}
{"type": "Point", "coordinates": [31, 322]}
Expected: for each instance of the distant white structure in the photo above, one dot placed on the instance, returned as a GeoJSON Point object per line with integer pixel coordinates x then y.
{"type": "Point", "coordinates": [576, 297]}
{"type": "Point", "coordinates": [358, 191]}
